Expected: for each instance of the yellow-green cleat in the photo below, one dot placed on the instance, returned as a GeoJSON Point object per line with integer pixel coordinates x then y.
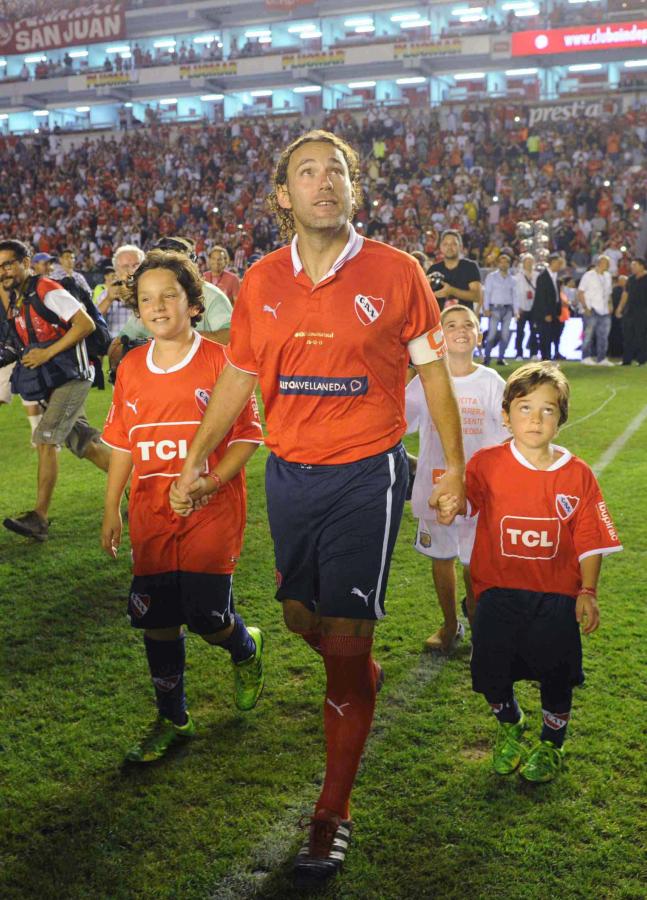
{"type": "Point", "coordinates": [544, 762]}
{"type": "Point", "coordinates": [249, 677]}
{"type": "Point", "coordinates": [508, 751]}
{"type": "Point", "coordinates": [162, 734]}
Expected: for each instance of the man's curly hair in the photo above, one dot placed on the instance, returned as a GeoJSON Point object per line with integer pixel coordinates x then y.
{"type": "Point", "coordinates": [186, 272]}
{"type": "Point", "coordinates": [280, 177]}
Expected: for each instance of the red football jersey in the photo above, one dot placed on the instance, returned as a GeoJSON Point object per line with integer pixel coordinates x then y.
{"type": "Point", "coordinates": [154, 416]}
{"type": "Point", "coordinates": [534, 526]}
{"type": "Point", "coordinates": [332, 357]}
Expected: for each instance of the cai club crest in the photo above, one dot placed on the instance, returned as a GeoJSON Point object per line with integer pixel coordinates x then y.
{"type": "Point", "coordinates": [368, 309]}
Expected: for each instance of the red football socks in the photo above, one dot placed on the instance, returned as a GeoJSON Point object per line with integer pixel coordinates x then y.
{"type": "Point", "coordinates": [348, 714]}
{"type": "Point", "coordinates": [314, 639]}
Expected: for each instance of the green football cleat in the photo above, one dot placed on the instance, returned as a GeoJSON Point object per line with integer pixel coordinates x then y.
{"type": "Point", "coordinates": [543, 763]}
{"type": "Point", "coordinates": [249, 678]}
{"type": "Point", "coordinates": [163, 733]}
{"type": "Point", "coordinates": [508, 750]}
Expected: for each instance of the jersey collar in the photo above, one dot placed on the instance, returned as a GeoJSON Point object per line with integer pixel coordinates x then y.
{"type": "Point", "coordinates": [184, 362]}
{"type": "Point", "coordinates": [563, 459]}
{"type": "Point", "coordinates": [352, 248]}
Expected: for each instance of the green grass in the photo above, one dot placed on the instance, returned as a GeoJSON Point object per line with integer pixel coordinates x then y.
{"type": "Point", "coordinates": [218, 819]}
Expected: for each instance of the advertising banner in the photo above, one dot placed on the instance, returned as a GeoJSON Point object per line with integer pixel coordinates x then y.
{"type": "Point", "coordinates": [442, 47]}
{"type": "Point", "coordinates": [313, 60]}
{"type": "Point", "coordinates": [585, 37]}
{"type": "Point", "coordinates": [88, 23]}
{"type": "Point", "coordinates": [578, 109]}
{"type": "Point", "coordinates": [108, 79]}
{"type": "Point", "coordinates": [208, 69]}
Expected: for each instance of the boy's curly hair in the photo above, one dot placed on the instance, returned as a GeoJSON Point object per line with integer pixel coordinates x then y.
{"type": "Point", "coordinates": [528, 378]}
{"type": "Point", "coordinates": [280, 177]}
{"type": "Point", "coordinates": [186, 272]}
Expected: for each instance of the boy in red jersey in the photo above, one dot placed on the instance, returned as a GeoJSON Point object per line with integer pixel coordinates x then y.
{"type": "Point", "coordinates": [542, 530]}
{"type": "Point", "coordinates": [327, 326]}
{"type": "Point", "coordinates": [182, 567]}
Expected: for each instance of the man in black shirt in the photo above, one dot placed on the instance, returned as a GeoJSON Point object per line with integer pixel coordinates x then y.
{"type": "Point", "coordinates": [632, 309]}
{"type": "Point", "coordinates": [461, 280]}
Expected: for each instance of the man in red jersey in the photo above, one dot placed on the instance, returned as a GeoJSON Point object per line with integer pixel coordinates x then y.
{"type": "Point", "coordinates": [327, 326]}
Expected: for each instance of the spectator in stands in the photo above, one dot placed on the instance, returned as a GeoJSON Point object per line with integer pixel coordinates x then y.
{"type": "Point", "coordinates": [219, 275]}
{"type": "Point", "coordinates": [42, 263]}
{"type": "Point", "coordinates": [633, 310]}
{"type": "Point", "coordinates": [594, 294]}
{"type": "Point", "coordinates": [461, 277]}
{"type": "Point", "coordinates": [525, 281]}
{"type": "Point", "coordinates": [498, 305]}
{"type": "Point", "coordinates": [546, 307]}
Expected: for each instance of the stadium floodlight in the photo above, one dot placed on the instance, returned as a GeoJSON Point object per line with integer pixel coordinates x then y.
{"type": "Point", "coordinates": [126, 55]}
{"type": "Point", "coordinates": [168, 101]}
{"type": "Point", "coordinates": [3, 63]}
{"type": "Point", "coordinates": [623, 248]}
{"type": "Point", "coordinates": [524, 13]}
{"type": "Point", "coordinates": [206, 98]}
{"type": "Point", "coordinates": [309, 35]}
{"type": "Point", "coordinates": [405, 17]}
{"type": "Point", "coordinates": [78, 54]}
{"type": "Point", "coordinates": [82, 109]}
{"type": "Point", "coordinates": [358, 21]}
{"type": "Point", "coordinates": [365, 29]}
{"type": "Point", "coordinates": [518, 73]}
{"type": "Point", "coordinates": [413, 79]}
{"type": "Point", "coordinates": [517, 4]}
{"type": "Point", "coordinates": [166, 42]}
{"type": "Point", "coordinates": [583, 1]}
{"type": "Point", "coordinates": [128, 106]}
{"type": "Point", "coordinates": [495, 199]}
{"type": "Point", "coordinates": [467, 10]}
{"type": "Point", "coordinates": [264, 93]}
{"type": "Point", "coordinates": [215, 209]}
{"type": "Point", "coordinates": [636, 206]}
{"type": "Point", "coordinates": [41, 112]}
{"type": "Point", "coordinates": [307, 89]}
{"type": "Point", "coordinates": [419, 23]}
{"type": "Point", "coordinates": [266, 39]}
{"type": "Point", "coordinates": [361, 84]}
{"type": "Point", "coordinates": [585, 67]}
{"type": "Point", "coordinates": [36, 59]}
{"type": "Point", "coordinates": [299, 29]}
{"type": "Point", "coordinates": [376, 203]}
{"type": "Point", "coordinates": [629, 64]}
{"type": "Point", "coordinates": [469, 76]}
{"type": "Point", "coordinates": [3, 117]}
{"type": "Point", "coordinates": [606, 183]}
{"type": "Point", "coordinates": [258, 33]}
{"type": "Point", "coordinates": [478, 17]}
{"type": "Point", "coordinates": [205, 39]}
{"type": "Point", "coordinates": [121, 48]}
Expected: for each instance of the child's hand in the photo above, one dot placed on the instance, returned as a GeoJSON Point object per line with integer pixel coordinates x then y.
{"type": "Point", "coordinates": [446, 509]}
{"type": "Point", "coordinates": [111, 533]}
{"type": "Point", "coordinates": [587, 612]}
{"type": "Point", "coordinates": [200, 490]}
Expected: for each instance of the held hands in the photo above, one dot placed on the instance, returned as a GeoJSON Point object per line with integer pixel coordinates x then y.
{"type": "Point", "coordinates": [185, 499]}
{"type": "Point", "coordinates": [36, 357]}
{"type": "Point", "coordinates": [446, 509]}
{"type": "Point", "coordinates": [448, 497]}
{"type": "Point", "coordinates": [587, 613]}
{"type": "Point", "coordinates": [111, 532]}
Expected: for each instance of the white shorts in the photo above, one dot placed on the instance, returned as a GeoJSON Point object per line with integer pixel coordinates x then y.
{"type": "Point", "coordinates": [5, 387]}
{"type": "Point", "coordinates": [446, 541]}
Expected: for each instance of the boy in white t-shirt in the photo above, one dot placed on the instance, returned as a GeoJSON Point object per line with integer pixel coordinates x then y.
{"type": "Point", "coordinates": [479, 391]}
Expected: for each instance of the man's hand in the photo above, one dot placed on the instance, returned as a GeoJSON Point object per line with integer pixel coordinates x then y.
{"type": "Point", "coordinates": [587, 612]}
{"type": "Point", "coordinates": [196, 495]}
{"type": "Point", "coordinates": [444, 291]}
{"type": "Point", "coordinates": [111, 532]}
{"type": "Point", "coordinates": [36, 357]}
{"type": "Point", "coordinates": [451, 485]}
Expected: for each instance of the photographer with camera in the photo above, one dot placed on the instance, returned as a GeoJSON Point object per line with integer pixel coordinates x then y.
{"type": "Point", "coordinates": [50, 326]}
{"type": "Point", "coordinates": [455, 279]}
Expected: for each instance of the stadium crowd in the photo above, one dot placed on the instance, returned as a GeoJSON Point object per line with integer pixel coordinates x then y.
{"type": "Point", "coordinates": [478, 171]}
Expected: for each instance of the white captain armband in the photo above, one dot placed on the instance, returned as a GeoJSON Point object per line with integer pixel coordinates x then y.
{"type": "Point", "coordinates": [428, 347]}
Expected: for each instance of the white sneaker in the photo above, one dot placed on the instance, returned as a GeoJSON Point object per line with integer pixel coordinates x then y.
{"type": "Point", "coordinates": [589, 361]}
{"type": "Point", "coordinates": [606, 362]}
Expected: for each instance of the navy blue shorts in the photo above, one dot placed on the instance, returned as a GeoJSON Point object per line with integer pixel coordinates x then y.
{"type": "Point", "coordinates": [202, 602]}
{"type": "Point", "coordinates": [524, 636]}
{"type": "Point", "coordinates": [334, 529]}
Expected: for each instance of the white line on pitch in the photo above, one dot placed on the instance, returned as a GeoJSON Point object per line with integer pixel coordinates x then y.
{"type": "Point", "coordinates": [612, 451]}
{"type": "Point", "coordinates": [593, 413]}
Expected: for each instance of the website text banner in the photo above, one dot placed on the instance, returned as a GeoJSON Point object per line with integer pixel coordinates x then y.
{"type": "Point", "coordinates": [585, 37]}
{"type": "Point", "coordinates": [87, 23]}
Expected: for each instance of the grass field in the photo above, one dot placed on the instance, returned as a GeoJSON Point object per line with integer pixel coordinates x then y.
{"type": "Point", "coordinates": [218, 819]}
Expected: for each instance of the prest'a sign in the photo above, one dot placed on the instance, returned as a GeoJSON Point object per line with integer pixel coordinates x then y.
{"type": "Point", "coordinates": [562, 112]}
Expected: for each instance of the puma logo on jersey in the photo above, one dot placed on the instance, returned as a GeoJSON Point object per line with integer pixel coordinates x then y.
{"type": "Point", "coordinates": [357, 593]}
{"type": "Point", "coordinates": [529, 538]}
{"type": "Point", "coordinates": [272, 309]}
{"type": "Point", "coordinates": [132, 406]}
{"type": "Point", "coordinates": [338, 709]}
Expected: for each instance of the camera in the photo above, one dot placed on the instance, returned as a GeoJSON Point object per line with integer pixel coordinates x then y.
{"type": "Point", "coordinates": [436, 280]}
{"type": "Point", "coordinates": [9, 353]}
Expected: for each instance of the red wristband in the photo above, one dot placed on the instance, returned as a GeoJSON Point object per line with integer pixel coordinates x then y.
{"type": "Point", "coordinates": [588, 590]}
{"type": "Point", "coordinates": [217, 479]}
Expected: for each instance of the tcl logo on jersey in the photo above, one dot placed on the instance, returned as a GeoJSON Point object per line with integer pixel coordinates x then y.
{"type": "Point", "coordinates": [368, 309]}
{"type": "Point", "coordinates": [528, 538]}
{"type": "Point", "coordinates": [163, 450]}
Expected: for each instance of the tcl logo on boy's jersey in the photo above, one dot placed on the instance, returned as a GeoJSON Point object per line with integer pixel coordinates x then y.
{"type": "Point", "coordinates": [368, 309]}
{"type": "Point", "coordinates": [528, 538]}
